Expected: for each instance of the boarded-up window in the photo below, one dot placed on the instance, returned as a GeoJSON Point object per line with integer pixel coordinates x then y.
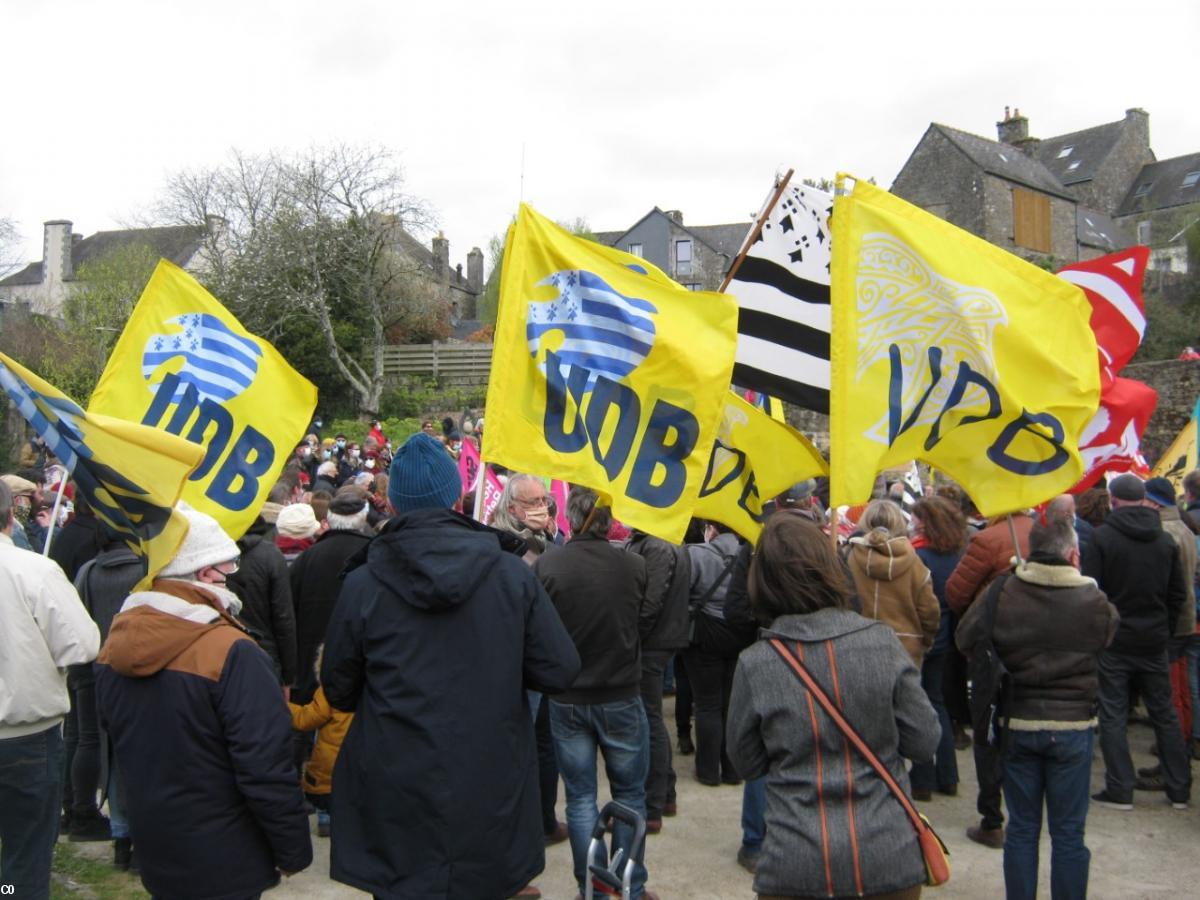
{"type": "Point", "coordinates": [1031, 220]}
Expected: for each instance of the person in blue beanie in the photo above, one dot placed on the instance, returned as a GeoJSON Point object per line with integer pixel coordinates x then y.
{"type": "Point", "coordinates": [438, 632]}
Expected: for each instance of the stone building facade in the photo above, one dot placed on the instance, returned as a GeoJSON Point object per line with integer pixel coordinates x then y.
{"type": "Point", "coordinates": [697, 256]}
{"type": "Point", "coordinates": [43, 286]}
{"type": "Point", "coordinates": [1069, 197]}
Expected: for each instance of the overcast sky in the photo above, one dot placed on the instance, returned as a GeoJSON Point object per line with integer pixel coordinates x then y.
{"type": "Point", "coordinates": [615, 107]}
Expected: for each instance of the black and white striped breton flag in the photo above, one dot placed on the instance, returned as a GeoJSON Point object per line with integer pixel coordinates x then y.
{"type": "Point", "coordinates": [782, 289]}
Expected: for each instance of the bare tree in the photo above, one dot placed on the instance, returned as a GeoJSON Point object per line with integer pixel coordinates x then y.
{"type": "Point", "coordinates": [10, 247]}
{"type": "Point", "coordinates": [315, 236]}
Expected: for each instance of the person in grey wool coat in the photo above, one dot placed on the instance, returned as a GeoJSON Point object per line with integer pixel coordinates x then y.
{"type": "Point", "coordinates": [833, 827]}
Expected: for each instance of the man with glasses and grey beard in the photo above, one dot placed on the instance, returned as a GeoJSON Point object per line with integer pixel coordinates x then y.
{"type": "Point", "coordinates": [524, 510]}
{"type": "Point", "coordinates": [200, 731]}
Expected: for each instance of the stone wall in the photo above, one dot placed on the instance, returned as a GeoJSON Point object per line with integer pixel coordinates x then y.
{"type": "Point", "coordinates": [998, 222]}
{"type": "Point", "coordinates": [1178, 384]}
{"type": "Point", "coordinates": [940, 178]}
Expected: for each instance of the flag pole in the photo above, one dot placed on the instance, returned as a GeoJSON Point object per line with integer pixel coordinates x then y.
{"type": "Point", "coordinates": [1012, 530]}
{"type": "Point", "coordinates": [833, 528]}
{"type": "Point", "coordinates": [758, 227]}
{"type": "Point", "coordinates": [62, 485]}
{"type": "Point", "coordinates": [480, 487]}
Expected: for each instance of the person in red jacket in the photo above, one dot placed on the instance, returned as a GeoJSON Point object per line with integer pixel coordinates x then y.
{"type": "Point", "coordinates": [990, 554]}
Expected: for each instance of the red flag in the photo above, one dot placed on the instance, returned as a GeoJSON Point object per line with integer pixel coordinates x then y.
{"type": "Point", "coordinates": [1113, 285]}
{"type": "Point", "coordinates": [1112, 442]}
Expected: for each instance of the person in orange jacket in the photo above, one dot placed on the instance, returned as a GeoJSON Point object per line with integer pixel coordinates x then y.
{"type": "Point", "coordinates": [331, 726]}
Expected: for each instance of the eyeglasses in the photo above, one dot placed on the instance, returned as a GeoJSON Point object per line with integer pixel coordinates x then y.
{"type": "Point", "coordinates": [235, 563]}
{"type": "Point", "coordinates": [531, 504]}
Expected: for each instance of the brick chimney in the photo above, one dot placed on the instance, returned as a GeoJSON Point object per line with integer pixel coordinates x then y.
{"type": "Point", "coordinates": [56, 251]}
{"type": "Point", "coordinates": [441, 258]}
{"type": "Point", "coordinates": [675, 216]}
{"type": "Point", "coordinates": [475, 271]}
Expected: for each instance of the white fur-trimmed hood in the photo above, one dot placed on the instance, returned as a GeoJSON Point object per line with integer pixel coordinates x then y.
{"type": "Point", "coordinates": [1055, 576]}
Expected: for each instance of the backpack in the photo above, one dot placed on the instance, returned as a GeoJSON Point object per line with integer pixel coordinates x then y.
{"type": "Point", "coordinates": [991, 683]}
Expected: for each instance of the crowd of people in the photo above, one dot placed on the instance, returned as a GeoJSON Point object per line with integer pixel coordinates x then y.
{"type": "Point", "coordinates": [421, 684]}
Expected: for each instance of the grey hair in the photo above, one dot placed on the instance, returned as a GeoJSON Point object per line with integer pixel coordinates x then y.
{"type": "Point", "coordinates": [6, 505]}
{"type": "Point", "coordinates": [580, 503]}
{"type": "Point", "coordinates": [502, 517]}
{"type": "Point", "coordinates": [1056, 538]}
{"type": "Point", "coordinates": [353, 522]}
{"type": "Point", "coordinates": [1062, 507]}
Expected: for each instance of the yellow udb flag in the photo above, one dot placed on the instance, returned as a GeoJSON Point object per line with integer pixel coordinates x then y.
{"type": "Point", "coordinates": [606, 373]}
{"type": "Point", "coordinates": [186, 366]}
{"type": "Point", "coordinates": [949, 350]}
{"type": "Point", "coordinates": [754, 459]}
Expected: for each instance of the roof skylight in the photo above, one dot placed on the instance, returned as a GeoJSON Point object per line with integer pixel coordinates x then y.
{"type": "Point", "coordinates": [1066, 151]}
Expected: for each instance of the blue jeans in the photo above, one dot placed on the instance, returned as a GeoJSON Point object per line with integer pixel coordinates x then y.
{"type": "Point", "coordinates": [622, 733]}
{"type": "Point", "coordinates": [1053, 767]}
{"type": "Point", "coordinates": [118, 817]}
{"type": "Point", "coordinates": [941, 772]}
{"type": "Point", "coordinates": [31, 784]}
{"type": "Point", "coordinates": [754, 813]}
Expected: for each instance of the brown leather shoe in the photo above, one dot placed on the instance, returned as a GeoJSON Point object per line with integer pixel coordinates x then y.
{"type": "Point", "coordinates": [558, 835]}
{"type": "Point", "coordinates": [653, 826]}
{"type": "Point", "coordinates": [988, 837]}
{"type": "Point", "coordinates": [922, 795]}
{"type": "Point", "coordinates": [529, 892]}
{"type": "Point", "coordinates": [670, 809]}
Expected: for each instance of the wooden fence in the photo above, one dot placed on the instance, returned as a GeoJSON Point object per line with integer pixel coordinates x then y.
{"type": "Point", "coordinates": [461, 363]}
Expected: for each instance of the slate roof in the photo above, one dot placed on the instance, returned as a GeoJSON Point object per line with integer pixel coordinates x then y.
{"type": "Point", "coordinates": [726, 239]}
{"type": "Point", "coordinates": [1096, 229]}
{"type": "Point", "coordinates": [178, 243]}
{"type": "Point", "coordinates": [1004, 160]}
{"type": "Point", "coordinates": [1089, 148]}
{"type": "Point", "coordinates": [1165, 179]}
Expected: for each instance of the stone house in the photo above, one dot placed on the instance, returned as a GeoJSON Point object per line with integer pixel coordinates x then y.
{"type": "Point", "coordinates": [697, 256]}
{"type": "Point", "coordinates": [1068, 197]}
{"type": "Point", "coordinates": [43, 286]}
{"type": "Point", "coordinates": [461, 291]}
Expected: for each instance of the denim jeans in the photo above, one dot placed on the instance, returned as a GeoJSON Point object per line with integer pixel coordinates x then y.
{"type": "Point", "coordinates": [31, 782]}
{"type": "Point", "coordinates": [1053, 767]}
{"type": "Point", "coordinates": [1118, 672]}
{"type": "Point", "coordinates": [754, 813]}
{"type": "Point", "coordinates": [941, 772]}
{"type": "Point", "coordinates": [619, 729]}
{"type": "Point", "coordinates": [118, 816]}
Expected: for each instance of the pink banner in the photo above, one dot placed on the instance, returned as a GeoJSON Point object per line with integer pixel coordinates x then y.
{"type": "Point", "coordinates": [491, 494]}
{"type": "Point", "coordinates": [558, 490]}
{"type": "Point", "coordinates": [468, 466]}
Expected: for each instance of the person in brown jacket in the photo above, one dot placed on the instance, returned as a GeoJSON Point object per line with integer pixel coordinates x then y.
{"type": "Point", "coordinates": [894, 585]}
{"type": "Point", "coordinates": [989, 554]}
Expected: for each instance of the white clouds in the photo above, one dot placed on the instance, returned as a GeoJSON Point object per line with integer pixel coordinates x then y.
{"type": "Point", "coordinates": [619, 106]}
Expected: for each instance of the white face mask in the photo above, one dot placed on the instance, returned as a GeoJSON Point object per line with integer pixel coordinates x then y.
{"type": "Point", "coordinates": [306, 452]}
{"type": "Point", "coordinates": [354, 454]}
{"type": "Point", "coordinates": [370, 464]}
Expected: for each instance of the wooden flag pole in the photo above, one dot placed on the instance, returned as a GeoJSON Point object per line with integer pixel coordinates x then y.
{"type": "Point", "coordinates": [758, 227]}
{"type": "Point", "coordinates": [833, 528]}
{"type": "Point", "coordinates": [1012, 530]}
{"type": "Point", "coordinates": [480, 487]}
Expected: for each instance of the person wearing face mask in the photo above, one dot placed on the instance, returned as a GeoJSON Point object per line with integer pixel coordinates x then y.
{"type": "Point", "coordinates": [201, 734]}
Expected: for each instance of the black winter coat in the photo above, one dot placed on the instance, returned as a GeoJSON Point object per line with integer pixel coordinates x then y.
{"type": "Point", "coordinates": [663, 621]}
{"type": "Point", "coordinates": [597, 590]}
{"type": "Point", "coordinates": [75, 543]}
{"type": "Point", "coordinates": [316, 578]}
{"type": "Point", "coordinates": [261, 582]}
{"type": "Point", "coordinates": [439, 630]}
{"type": "Point", "coordinates": [1138, 566]}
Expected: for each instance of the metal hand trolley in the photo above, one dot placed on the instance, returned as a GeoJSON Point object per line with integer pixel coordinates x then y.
{"type": "Point", "coordinates": [615, 879]}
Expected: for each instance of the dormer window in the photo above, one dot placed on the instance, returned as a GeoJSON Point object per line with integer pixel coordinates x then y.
{"type": "Point", "coordinates": [1143, 189]}
{"type": "Point", "coordinates": [1066, 151]}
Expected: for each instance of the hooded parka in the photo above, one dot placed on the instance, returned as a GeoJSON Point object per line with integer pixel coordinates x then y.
{"type": "Point", "coordinates": [437, 633]}
{"type": "Point", "coordinates": [895, 587]}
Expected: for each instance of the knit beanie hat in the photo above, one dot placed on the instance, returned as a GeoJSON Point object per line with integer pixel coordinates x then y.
{"type": "Point", "coordinates": [297, 521]}
{"type": "Point", "coordinates": [206, 544]}
{"type": "Point", "coordinates": [423, 475]}
{"type": "Point", "coordinates": [1161, 491]}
